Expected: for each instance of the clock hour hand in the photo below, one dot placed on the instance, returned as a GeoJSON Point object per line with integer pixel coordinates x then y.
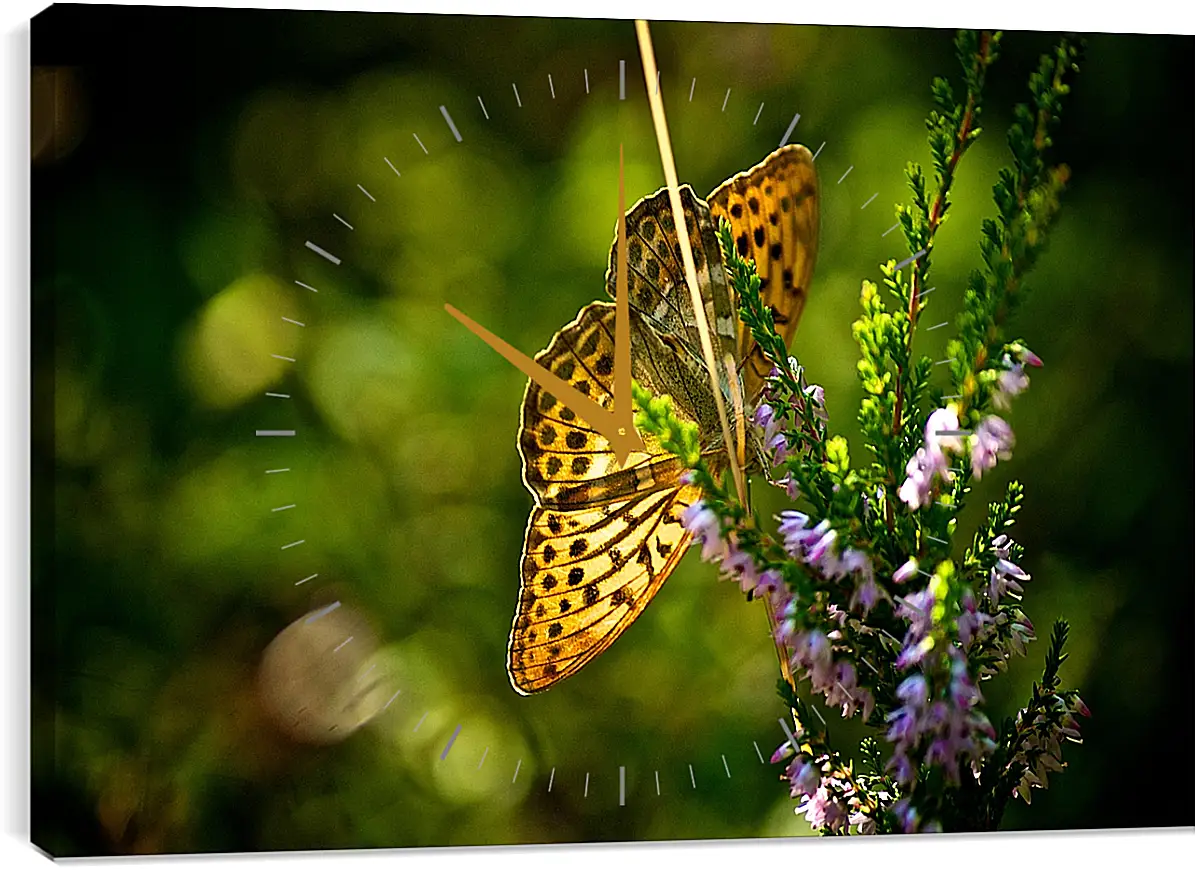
{"type": "Point", "coordinates": [618, 424]}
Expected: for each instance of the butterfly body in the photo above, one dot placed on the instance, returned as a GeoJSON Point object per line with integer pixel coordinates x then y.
{"type": "Point", "coordinates": [603, 536]}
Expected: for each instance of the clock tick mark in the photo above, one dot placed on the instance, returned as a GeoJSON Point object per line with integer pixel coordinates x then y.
{"type": "Point", "coordinates": [452, 739]}
{"type": "Point", "coordinates": [449, 120]}
{"type": "Point", "coordinates": [890, 229]}
{"type": "Point", "coordinates": [421, 144]}
{"type": "Point", "coordinates": [518, 101]}
{"type": "Point", "coordinates": [551, 89]}
{"type": "Point", "coordinates": [296, 322]}
{"type": "Point", "coordinates": [758, 753]}
{"type": "Point", "coordinates": [622, 786]}
{"type": "Point", "coordinates": [305, 579]}
{"type": "Point", "coordinates": [789, 130]}
{"type": "Point", "coordinates": [420, 722]}
{"type": "Point", "coordinates": [283, 358]}
{"type": "Point", "coordinates": [306, 287]}
{"type": "Point", "coordinates": [483, 105]}
{"type": "Point", "coordinates": [845, 174]}
{"type": "Point", "coordinates": [587, 75]}
{"type": "Point", "coordinates": [518, 764]}
{"type": "Point", "coordinates": [342, 644]}
{"type": "Point", "coordinates": [727, 97]}
{"type": "Point", "coordinates": [342, 220]}
{"type": "Point", "coordinates": [276, 470]}
{"type": "Point", "coordinates": [367, 193]}
{"type": "Point", "coordinates": [691, 89]}
{"type": "Point", "coordinates": [938, 325]}
{"type": "Point", "coordinates": [279, 395]}
{"type": "Point", "coordinates": [275, 433]}
{"type": "Point", "coordinates": [758, 111]}
{"type": "Point", "coordinates": [322, 612]}
{"type": "Point", "coordinates": [285, 507]}
{"type": "Point", "coordinates": [483, 761]}
{"type": "Point", "coordinates": [908, 260]}
{"type": "Point", "coordinates": [392, 166]}
{"type": "Point", "coordinates": [336, 261]}
{"type": "Point", "coordinates": [622, 80]}
{"type": "Point", "coordinates": [869, 202]}
{"type": "Point", "coordinates": [819, 151]}
{"type": "Point", "coordinates": [789, 734]}
{"type": "Point", "coordinates": [693, 781]}
{"type": "Point", "coordinates": [293, 544]}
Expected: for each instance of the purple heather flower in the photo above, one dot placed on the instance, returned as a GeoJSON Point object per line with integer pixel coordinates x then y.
{"type": "Point", "coordinates": [929, 464]}
{"type": "Point", "coordinates": [992, 440]}
{"type": "Point", "coordinates": [909, 569]}
{"type": "Point", "coordinates": [913, 653]}
{"type": "Point", "coordinates": [774, 439]}
{"type": "Point", "coordinates": [822, 810]}
{"type": "Point", "coordinates": [1005, 578]}
{"type": "Point", "coordinates": [740, 566]}
{"type": "Point", "coordinates": [704, 525]}
{"type": "Point", "coordinates": [795, 532]}
{"type": "Point", "coordinates": [821, 547]}
{"type": "Point", "coordinates": [803, 777]}
{"type": "Point", "coordinates": [1010, 383]}
{"type": "Point", "coordinates": [913, 692]}
{"type": "Point", "coordinates": [943, 420]}
{"type": "Point", "coordinates": [915, 609]}
{"type": "Point", "coordinates": [924, 468]}
{"type": "Point", "coordinates": [867, 593]}
{"type": "Point", "coordinates": [864, 823]}
{"type": "Point", "coordinates": [1013, 380]}
{"type": "Point", "coordinates": [971, 622]}
{"type": "Point", "coordinates": [770, 581]}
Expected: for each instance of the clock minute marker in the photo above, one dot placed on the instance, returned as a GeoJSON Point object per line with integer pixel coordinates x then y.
{"type": "Point", "coordinates": [312, 246]}
{"type": "Point", "coordinates": [449, 120]}
{"type": "Point", "coordinates": [789, 129]}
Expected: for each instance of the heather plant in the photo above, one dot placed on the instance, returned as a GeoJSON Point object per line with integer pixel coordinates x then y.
{"type": "Point", "coordinates": [883, 606]}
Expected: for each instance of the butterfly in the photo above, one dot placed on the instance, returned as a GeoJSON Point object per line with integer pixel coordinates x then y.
{"type": "Point", "coordinates": [602, 536]}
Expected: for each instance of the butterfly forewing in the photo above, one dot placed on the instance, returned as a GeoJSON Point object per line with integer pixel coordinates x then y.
{"type": "Point", "coordinates": [773, 212]}
{"type": "Point", "coordinates": [656, 275]}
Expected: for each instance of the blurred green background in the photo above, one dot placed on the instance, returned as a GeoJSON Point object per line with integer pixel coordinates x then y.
{"type": "Point", "coordinates": [181, 160]}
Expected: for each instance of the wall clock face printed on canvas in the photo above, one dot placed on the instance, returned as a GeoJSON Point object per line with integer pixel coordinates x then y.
{"type": "Point", "coordinates": [481, 684]}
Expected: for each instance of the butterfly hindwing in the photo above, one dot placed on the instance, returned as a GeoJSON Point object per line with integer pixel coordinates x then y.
{"type": "Point", "coordinates": [773, 212]}
{"type": "Point", "coordinates": [587, 575]}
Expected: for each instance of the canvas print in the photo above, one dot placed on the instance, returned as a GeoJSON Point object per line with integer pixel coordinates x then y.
{"type": "Point", "coordinates": [464, 430]}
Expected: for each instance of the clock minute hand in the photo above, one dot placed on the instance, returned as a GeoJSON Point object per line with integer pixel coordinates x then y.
{"type": "Point", "coordinates": [623, 410]}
